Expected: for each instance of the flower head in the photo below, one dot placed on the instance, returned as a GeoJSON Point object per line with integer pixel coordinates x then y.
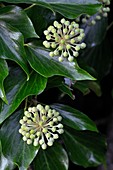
{"type": "Point", "coordinates": [65, 38]}
{"type": "Point", "coordinates": [41, 126]}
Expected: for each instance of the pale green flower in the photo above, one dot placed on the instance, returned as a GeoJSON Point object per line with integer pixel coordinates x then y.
{"type": "Point", "coordinates": [65, 38]}
{"type": "Point", "coordinates": [41, 126]}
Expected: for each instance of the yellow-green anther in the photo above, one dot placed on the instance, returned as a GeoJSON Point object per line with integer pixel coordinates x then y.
{"type": "Point", "coordinates": [29, 141]}
{"type": "Point", "coordinates": [60, 59]}
{"type": "Point", "coordinates": [79, 38]}
{"type": "Point", "coordinates": [53, 129]}
{"type": "Point", "coordinates": [56, 52]}
{"type": "Point", "coordinates": [50, 143]}
{"type": "Point", "coordinates": [44, 146]}
{"type": "Point", "coordinates": [60, 131]}
{"type": "Point", "coordinates": [65, 54]}
{"type": "Point", "coordinates": [60, 47]}
{"type": "Point", "coordinates": [65, 30]}
{"type": "Point", "coordinates": [53, 30]}
{"type": "Point", "coordinates": [46, 32]}
{"type": "Point", "coordinates": [105, 14]}
{"type": "Point", "coordinates": [50, 28]}
{"type": "Point", "coordinates": [55, 136]}
{"type": "Point", "coordinates": [63, 20]}
{"type": "Point", "coordinates": [24, 138]}
{"type": "Point", "coordinates": [75, 53]}
{"type": "Point", "coordinates": [35, 143]}
{"type": "Point", "coordinates": [98, 17]}
{"type": "Point", "coordinates": [32, 136]}
{"type": "Point", "coordinates": [21, 121]}
{"type": "Point", "coordinates": [72, 41]}
{"type": "Point", "coordinates": [44, 130]}
{"type": "Point", "coordinates": [44, 118]}
{"type": "Point", "coordinates": [55, 23]}
{"type": "Point", "coordinates": [68, 46]}
{"type": "Point", "coordinates": [38, 134]}
{"type": "Point", "coordinates": [66, 37]}
{"type": "Point", "coordinates": [62, 41]}
{"type": "Point", "coordinates": [83, 45]}
{"type": "Point", "coordinates": [77, 48]}
{"type": "Point", "coordinates": [72, 33]}
{"type": "Point", "coordinates": [47, 135]}
{"type": "Point", "coordinates": [47, 107]}
{"type": "Point", "coordinates": [66, 23]}
{"type": "Point", "coordinates": [84, 20]}
{"type": "Point", "coordinates": [93, 22]}
{"type": "Point", "coordinates": [48, 37]}
{"type": "Point", "coordinates": [59, 118]}
{"type": "Point", "coordinates": [27, 135]}
{"type": "Point", "coordinates": [70, 58]}
{"type": "Point", "coordinates": [59, 26]}
{"type": "Point", "coordinates": [53, 45]}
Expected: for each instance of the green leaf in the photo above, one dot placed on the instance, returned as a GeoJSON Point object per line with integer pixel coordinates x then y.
{"type": "Point", "coordinates": [47, 66]}
{"type": "Point", "coordinates": [82, 87]}
{"type": "Point", "coordinates": [13, 147]}
{"type": "Point", "coordinates": [54, 81]}
{"type": "Point", "coordinates": [3, 75]}
{"type": "Point", "coordinates": [12, 46]}
{"type": "Point", "coordinates": [70, 9]}
{"type": "Point", "coordinates": [99, 57]}
{"type": "Point", "coordinates": [85, 148]}
{"type": "Point", "coordinates": [85, 86]}
{"type": "Point", "coordinates": [54, 157]}
{"type": "Point", "coordinates": [5, 164]}
{"type": "Point", "coordinates": [17, 18]}
{"type": "Point", "coordinates": [17, 89]}
{"type": "Point", "coordinates": [41, 17]}
{"type": "Point", "coordinates": [66, 90]}
{"type": "Point", "coordinates": [74, 118]}
{"type": "Point", "coordinates": [95, 34]}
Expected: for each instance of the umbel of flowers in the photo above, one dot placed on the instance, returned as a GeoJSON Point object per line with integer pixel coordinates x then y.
{"type": "Point", "coordinates": [65, 38]}
{"type": "Point", "coordinates": [103, 12]}
{"type": "Point", "coordinates": [41, 126]}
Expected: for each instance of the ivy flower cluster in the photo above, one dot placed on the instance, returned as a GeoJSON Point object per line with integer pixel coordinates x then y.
{"type": "Point", "coordinates": [105, 9]}
{"type": "Point", "coordinates": [41, 126]}
{"type": "Point", "coordinates": [102, 12]}
{"type": "Point", "coordinates": [65, 38]}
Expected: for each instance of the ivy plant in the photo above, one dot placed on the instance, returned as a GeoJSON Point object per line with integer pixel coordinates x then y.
{"type": "Point", "coordinates": [47, 45]}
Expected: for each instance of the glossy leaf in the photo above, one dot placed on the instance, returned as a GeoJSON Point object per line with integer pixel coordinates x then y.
{"type": "Point", "coordinates": [17, 89]}
{"type": "Point", "coordinates": [41, 18]}
{"type": "Point", "coordinates": [86, 86]}
{"type": "Point", "coordinates": [74, 118]}
{"type": "Point", "coordinates": [69, 9]}
{"type": "Point", "coordinates": [17, 18]}
{"type": "Point", "coordinates": [13, 147]}
{"type": "Point", "coordinates": [85, 148]}
{"type": "Point", "coordinates": [42, 63]}
{"type": "Point", "coordinates": [99, 58]}
{"type": "Point", "coordinates": [95, 34]}
{"type": "Point", "coordinates": [3, 75]}
{"type": "Point", "coordinates": [11, 46]}
{"type": "Point", "coordinates": [66, 90]}
{"type": "Point", "coordinates": [54, 157]}
{"type": "Point", "coordinates": [5, 164]}
{"type": "Point", "coordinates": [82, 87]}
{"type": "Point", "coordinates": [54, 81]}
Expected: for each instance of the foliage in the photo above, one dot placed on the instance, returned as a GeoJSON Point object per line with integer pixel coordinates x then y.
{"type": "Point", "coordinates": [27, 72]}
